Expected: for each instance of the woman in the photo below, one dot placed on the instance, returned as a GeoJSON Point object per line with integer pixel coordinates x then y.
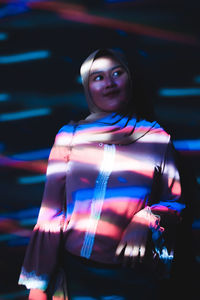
{"type": "Point", "coordinates": [111, 198]}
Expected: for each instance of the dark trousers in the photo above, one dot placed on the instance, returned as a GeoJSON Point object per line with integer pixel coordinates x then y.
{"type": "Point", "coordinates": [88, 280]}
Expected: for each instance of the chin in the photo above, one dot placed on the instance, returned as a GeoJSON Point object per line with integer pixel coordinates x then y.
{"type": "Point", "coordinates": [117, 108]}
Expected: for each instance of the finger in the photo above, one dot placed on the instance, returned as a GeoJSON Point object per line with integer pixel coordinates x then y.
{"type": "Point", "coordinates": [171, 254]}
{"type": "Point", "coordinates": [128, 251]}
{"type": "Point", "coordinates": [135, 255]}
{"type": "Point", "coordinates": [142, 253]}
{"type": "Point", "coordinates": [135, 252]}
{"type": "Point", "coordinates": [119, 249]}
{"type": "Point", "coordinates": [127, 255]}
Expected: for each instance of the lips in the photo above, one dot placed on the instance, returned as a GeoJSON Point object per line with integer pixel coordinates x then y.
{"type": "Point", "coordinates": [111, 93]}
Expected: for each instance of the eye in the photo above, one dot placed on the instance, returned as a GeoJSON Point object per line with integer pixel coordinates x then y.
{"type": "Point", "coordinates": [117, 73]}
{"type": "Point", "coordinates": [98, 78]}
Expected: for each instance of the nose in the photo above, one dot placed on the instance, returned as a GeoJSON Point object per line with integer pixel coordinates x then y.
{"type": "Point", "coordinates": [109, 81]}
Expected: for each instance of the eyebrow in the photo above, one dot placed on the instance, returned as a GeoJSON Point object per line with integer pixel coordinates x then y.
{"type": "Point", "coordinates": [97, 72]}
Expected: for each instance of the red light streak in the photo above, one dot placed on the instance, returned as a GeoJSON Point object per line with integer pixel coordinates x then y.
{"type": "Point", "coordinates": [78, 13]}
{"type": "Point", "coordinates": [34, 166]}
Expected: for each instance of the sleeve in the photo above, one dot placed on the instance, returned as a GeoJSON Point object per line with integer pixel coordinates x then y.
{"type": "Point", "coordinates": [164, 210]}
{"type": "Point", "coordinates": [166, 197]}
{"type": "Point", "coordinates": [41, 256]}
{"type": "Point", "coordinates": [165, 203]}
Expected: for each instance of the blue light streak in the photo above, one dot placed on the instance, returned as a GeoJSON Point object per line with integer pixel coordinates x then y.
{"type": "Point", "coordinates": [13, 9]}
{"type": "Point", "coordinates": [32, 179]}
{"type": "Point", "coordinates": [2, 147]}
{"type": "Point", "coordinates": [16, 295]}
{"type": "Point", "coordinates": [7, 237]}
{"type": "Point", "coordinates": [79, 80]}
{"type": "Point", "coordinates": [188, 145]}
{"type": "Point", "coordinates": [22, 57]}
{"type": "Point", "coordinates": [197, 79]}
{"type": "Point", "coordinates": [4, 97]}
{"type": "Point", "coordinates": [33, 155]}
{"type": "Point", "coordinates": [28, 222]}
{"type": "Point", "coordinates": [3, 36]}
{"type": "Point", "coordinates": [18, 242]}
{"type": "Point", "coordinates": [19, 215]}
{"type": "Point", "coordinates": [13, 116]}
{"type": "Point", "coordinates": [183, 92]}
{"type": "Point", "coordinates": [196, 224]}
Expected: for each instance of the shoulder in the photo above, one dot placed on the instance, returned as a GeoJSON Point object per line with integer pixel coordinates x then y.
{"type": "Point", "coordinates": [65, 134]}
{"type": "Point", "coordinates": [153, 130]}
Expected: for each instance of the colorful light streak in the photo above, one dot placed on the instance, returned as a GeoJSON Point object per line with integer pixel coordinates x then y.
{"type": "Point", "coordinates": [187, 145]}
{"type": "Point", "coordinates": [32, 179]}
{"type": "Point", "coordinates": [3, 36]}
{"type": "Point", "coordinates": [196, 224]}
{"type": "Point", "coordinates": [13, 8]}
{"type": "Point", "coordinates": [4, 97]}
{"type": "Point", "coordinates": [15, 295]}
{"type": "Point", "coordinates": [13, 116]}
{"type": "Point", "coordinates": [22, 57]}
{"type": "Point", "coordinates": [197, 79]}
{"type": "Point", "coordinates": [11, 230]}
{"type": "Point", "coordinates": [179, 92]}
{"type": "Point", "coordinates": [32, 155]}
{"type": "Point", "coordinates": [2, 146]}
{"type": "Point", "coordinates": [79, 79]}
{"type": "Point", "coordinates": [28, 222]}
{"type": "Point", "coordinates": [36, 166]}
{"type": "Point", "coordinates": [12, 223]}
{"type": "Point", "coordinates": [77, 13]}
{"type": "Point", "coordinates": [19, 215]}
{"type": "Point", "coordinates": [11, 236]}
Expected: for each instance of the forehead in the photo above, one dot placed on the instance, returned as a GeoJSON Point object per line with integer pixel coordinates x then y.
{"type": "Point", "coordinates": [104, 63]}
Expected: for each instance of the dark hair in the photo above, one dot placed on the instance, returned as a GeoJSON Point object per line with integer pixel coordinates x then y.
{"type": "Point", "coordinates": [141, 102]}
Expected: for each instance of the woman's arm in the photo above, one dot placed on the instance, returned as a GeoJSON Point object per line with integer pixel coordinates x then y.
{"type": "Point", "coordinates": [159, 219]}
{"type": "Point", "coordinates": [42, 254]}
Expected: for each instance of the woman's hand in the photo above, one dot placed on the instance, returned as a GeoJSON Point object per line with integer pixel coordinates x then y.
{"type": "Point", "coordinates": [132, 246]}
{"type": "Point", "coordinates": [36, 294]}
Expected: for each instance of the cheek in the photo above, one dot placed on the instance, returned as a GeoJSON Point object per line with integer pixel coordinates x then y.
{"type": "Point", "coordinates": [125, 85]}
{"type": "Point", "coordinates": [94, 89]}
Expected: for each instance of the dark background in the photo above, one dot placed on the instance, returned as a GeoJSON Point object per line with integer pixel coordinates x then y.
{"type": "Point", "coordinates": [42, 45]}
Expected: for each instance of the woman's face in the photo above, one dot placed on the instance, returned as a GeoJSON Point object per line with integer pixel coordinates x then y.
{"type": "Point", "coordinates": [109, 84]}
